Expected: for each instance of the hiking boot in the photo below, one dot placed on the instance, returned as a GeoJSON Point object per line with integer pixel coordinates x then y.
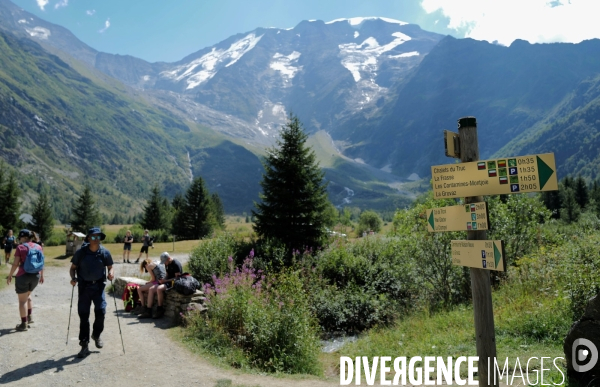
{"type": "Point", "coordinates": [29, 320]}
{"type": "Point", "coordinates": [137, 260]}
{"type": "Point", "coordinates": [138, 309]}
{"type": "Point", "coordinates": [22, 327]}
{"type": "Point", "coordinates": [147, 313]}
{"type": "Point", "coordinates": [160, 311]}
{"type": "Point", "coordinates": [128, 261]}
{"type": "Point", "coordinates": [84, 349]}
{"type": "Point", "coordinates": [98, 341]}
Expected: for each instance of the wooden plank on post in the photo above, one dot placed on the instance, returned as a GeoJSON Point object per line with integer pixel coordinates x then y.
{"type": "Point", "coordinates": [480, 279]}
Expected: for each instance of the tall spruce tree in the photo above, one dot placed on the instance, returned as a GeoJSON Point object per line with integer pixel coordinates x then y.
{"type": "Point", "coordinates": [217, 211]}
{"type": "Point", "coordinates": [85, 215]}
{"type": "Point", "coordinates": [9, 199]}
{"type": "Point", "coordinates": [154, 217]}
{"type": "Point", "coordinates": [294, 196]}
{"type": "Point", "coordinates": [582, 195]}
{"type": "Point", "coordinates": [192, 219]}
{"type": "Point", "coordinates": [41, 218]}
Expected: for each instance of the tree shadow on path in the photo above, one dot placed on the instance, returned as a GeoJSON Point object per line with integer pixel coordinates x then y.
{"type": "Point", "coordinates": [39, 367]}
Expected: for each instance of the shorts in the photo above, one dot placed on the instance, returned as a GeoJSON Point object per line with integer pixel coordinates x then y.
{"type": "Point", "coordinates": [8, 249]}
{"type": "Point", "coordinates": [144, 249]}
{"type": "Point", "coordinates": [26, 282]}
{"type": "Point", "coordinates": [127, 246]}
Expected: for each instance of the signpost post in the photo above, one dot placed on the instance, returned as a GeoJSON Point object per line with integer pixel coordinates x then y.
{"type": "Point", "coordinates": [480, 279]}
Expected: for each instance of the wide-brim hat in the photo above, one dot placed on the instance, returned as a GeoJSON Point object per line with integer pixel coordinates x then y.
{"type": "Point", "coordinates": [96, 230]}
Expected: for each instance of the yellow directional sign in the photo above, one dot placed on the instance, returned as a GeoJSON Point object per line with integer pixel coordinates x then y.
{"type": "Point", "coordinates": [467, 217]}
{"type": "Point", "coordinates": [487, 255]}
{"type": "Point", "coordinates": [508, 175]}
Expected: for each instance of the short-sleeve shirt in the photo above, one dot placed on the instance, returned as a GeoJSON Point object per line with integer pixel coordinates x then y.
{"type": "Point", "coordinates": [173, 268]}
{"type": "Point", "coordinates": [10, 241]}
{"type": "Point", "coordinates": [21, 252]}
{"type": "Point", "coordinates": [128, 239]}
{"type": "Point", "coordinates": [91, 265]}
{"type": "Point", "coordinates": [146, 240]}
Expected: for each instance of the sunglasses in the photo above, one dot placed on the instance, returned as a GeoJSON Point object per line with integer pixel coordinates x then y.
{"type": "Point", "coordinates": [95, 237]}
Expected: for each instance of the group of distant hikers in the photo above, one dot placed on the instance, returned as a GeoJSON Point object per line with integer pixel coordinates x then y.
{"type": "Point", "coordinates": [91, 266]}
{"type": "Point", "coordinates": [147, 241]}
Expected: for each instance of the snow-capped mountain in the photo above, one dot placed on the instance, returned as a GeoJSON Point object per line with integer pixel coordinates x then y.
{"type": "Point", "coordinates": [323, 71]}
{"type": "Point", "coordinates": [246, 85]}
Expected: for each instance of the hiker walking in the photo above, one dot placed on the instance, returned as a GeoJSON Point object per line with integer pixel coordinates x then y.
{"type": "Point", "coordinates": [25, 281]}
{"type": "Point", "coordinates": [146, 240]}
{"type": "Point", "coordinates": [127, 241]}
{"type": "Point", "coordinates": [9, 242]}
{"type": "Point", "coordinates": [88, 272]}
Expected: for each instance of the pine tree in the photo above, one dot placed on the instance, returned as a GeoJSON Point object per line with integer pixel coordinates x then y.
{"type": "Point", "coordinates": [218, 213]}
{"type": "Point", "coordinates": [570, 210]}
{"type": "Point", "coordinates": [85, 215]}
{"type": "Point", "coordinates": [9, 199]}
{"type": "Point", "coordinates": [582, 195]}
{"type": "Point", "coordinates": [154, 217]}
{"type": "Point", "coordinates": [192, 220]}
{"type": "Point", "coordinates": [294, 196]}
{"type": "Point", "coordinates": [42, 221]}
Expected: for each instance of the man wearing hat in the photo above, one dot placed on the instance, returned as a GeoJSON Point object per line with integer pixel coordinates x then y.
{"type": "Point", "coordinates": [88, 271]}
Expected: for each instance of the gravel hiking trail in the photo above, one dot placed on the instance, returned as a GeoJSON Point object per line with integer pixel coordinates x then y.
{"type": "Point", "coordinates": [42, 357]}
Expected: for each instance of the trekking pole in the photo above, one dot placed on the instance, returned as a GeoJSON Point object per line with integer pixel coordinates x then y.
{"type": "Point", "coordinates": [117, 310]}
{"type": "Point", "coordinates": [70, 310]}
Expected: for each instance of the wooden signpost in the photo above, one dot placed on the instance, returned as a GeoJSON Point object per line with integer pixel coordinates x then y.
{"type": "Point", "coordinates": [465, 217]}
{"type": "Point", "coordinates": [509, 175]}
{"type": "Point", "coordinates": [487, 255]}
{"type": "Point", "coordinates": [471, 179]}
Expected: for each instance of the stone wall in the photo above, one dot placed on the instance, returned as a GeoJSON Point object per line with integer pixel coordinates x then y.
{"type": "Point", "coordinates": [174, 302]}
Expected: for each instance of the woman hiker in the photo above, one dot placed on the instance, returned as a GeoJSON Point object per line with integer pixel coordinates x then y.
{"type": "Point", "coordinates": [157, 273]}
{"type": "Point", "coordinates": [127, 246]}
{"type": "Point", "coordinates": [24, 282]}
{"type": "Point", "coordinates": [9, 242]}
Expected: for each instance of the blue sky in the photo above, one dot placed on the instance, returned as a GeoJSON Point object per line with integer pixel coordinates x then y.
{"type": "Point", "coordinates": [159, 30]}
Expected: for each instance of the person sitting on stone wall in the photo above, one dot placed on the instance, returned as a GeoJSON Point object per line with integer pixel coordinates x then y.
{"type": "Point", "coordinates": [157, 272]}
{"type": "Point", "coordinates": [174, 269]}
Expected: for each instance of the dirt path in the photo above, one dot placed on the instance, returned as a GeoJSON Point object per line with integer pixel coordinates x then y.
{"type": "Point", "coordinates": [40, 356]}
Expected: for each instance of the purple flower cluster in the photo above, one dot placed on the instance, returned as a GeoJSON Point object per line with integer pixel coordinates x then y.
{"type": "Point", "coordinates": [245, 277]}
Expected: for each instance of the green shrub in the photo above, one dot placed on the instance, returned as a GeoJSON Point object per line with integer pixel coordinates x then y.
{"type": "Point", "coordinates": [210, 258]}
{"type": "Point", "coordinates": [57, 239]}
{"type": "Point", "coordinates": [269, 322]}
{"type": "Point", "coordinates": [136, 231]}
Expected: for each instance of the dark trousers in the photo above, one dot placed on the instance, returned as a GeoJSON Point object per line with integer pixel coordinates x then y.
{"type": "Point", "coordinates": [89, 293]}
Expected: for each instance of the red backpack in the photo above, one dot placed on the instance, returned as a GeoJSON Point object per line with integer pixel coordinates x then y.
{"type": "Point", "coordinates": [130, 296]}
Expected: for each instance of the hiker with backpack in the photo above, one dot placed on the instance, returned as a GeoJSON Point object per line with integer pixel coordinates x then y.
{"type": "Point", "coordinates": [89, 272]}
{"type": "Point", "coordinates": [29, 265]}
{"type": "Point", "coordinates": [146, 242]}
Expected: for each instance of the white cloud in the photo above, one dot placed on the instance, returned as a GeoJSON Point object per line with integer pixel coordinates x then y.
{"type": "Point", "coordinates": [42, 3]}
{"type": "Point", "coordinates": [90, 12]}
{"type": "Point", "coordinates": [537, 21]}
{"type": "Point", "coordinates": [106, 25]}
{"type": "Point", "coordinates": [61, 3]}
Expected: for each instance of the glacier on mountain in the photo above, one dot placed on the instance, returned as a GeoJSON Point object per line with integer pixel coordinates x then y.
{"type": "Point", "coordinates": [363, 57]}
{"type": "Point", "coordinates": [212, 62]}
{"type": "Point", "coordinates": [283, 64]}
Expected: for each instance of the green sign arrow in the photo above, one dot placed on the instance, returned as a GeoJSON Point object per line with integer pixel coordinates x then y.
{"type": "Point", "coordinates": [545, 172]}
{"type": "Point", "coordinates": [497, 255]}
{"type": "Point", "coordinates": [431, 221]}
